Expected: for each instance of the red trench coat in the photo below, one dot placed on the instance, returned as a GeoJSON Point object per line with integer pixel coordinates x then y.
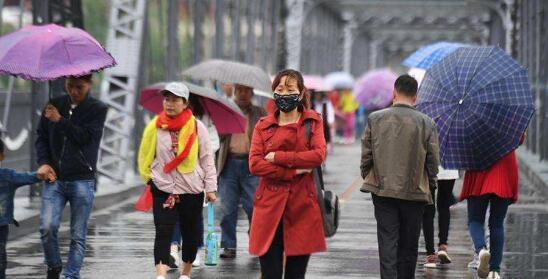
{"type": "Point", "coordinates": [282, 195]}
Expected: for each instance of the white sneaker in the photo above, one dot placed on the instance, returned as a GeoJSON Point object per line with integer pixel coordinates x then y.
{"type": "Point", "coordinates": [197, 261]}
{"type": "Point", "coordinates": [493, 275]}
{"type": "Point", "coordinates": [184, 277]}
{"type": "Point", "coordinates": [474, 263]}
{"type": "Point", "coordinates": [483, 266]}
{"type": "Point", "coordinates": [174, 254]}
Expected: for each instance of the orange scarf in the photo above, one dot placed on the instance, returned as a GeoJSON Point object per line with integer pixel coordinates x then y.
{"type": "Point", "coordinates": [165, 122]}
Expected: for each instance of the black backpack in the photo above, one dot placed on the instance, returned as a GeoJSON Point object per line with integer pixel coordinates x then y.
{"type": "Point", "coordinates": [327, 200]}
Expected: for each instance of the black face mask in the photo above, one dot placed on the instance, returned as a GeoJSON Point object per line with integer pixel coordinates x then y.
{"type": "Point", "coordinates": [287, 103]}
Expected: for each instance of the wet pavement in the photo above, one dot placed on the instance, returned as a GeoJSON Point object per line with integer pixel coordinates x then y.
{"type": "Point", "coordinates": [120, 240]}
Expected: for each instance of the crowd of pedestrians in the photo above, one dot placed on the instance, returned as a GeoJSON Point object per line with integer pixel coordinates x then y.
{"type": "Point", "coordinates": [268, 170]}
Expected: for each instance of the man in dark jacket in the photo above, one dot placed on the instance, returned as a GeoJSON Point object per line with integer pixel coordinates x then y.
{"type": "Point", "coordinates": [236, 184]}
{"type": "Point", "coordinates": [399, 164]}
{"type": "Point", "coordinates": [69, 134]}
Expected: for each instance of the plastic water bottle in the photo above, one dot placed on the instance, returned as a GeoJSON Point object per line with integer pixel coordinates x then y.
{"type": "Point", "coordinates": [212, 243]}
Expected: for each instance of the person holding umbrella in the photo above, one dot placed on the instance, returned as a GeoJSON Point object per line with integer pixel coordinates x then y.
{"type": "Point", "coordinates": [199, 113]}
{"type": "Point", "coordinates": [321, 104]}
{"type": "Point", "coordinates": [69, 133]}
{"type": "Point", "coordinates": [236, 183]}
{"type": "Point", "coordinates": [481, 99]}
{"type": "Point", "coordinates": [176, 160]}
{"type": "Point", "coordinates": [348, 107]}
{"type": "Point", "coordinates": [495, 188]}
{"type": "Point", "coordinates": [442, 202]}
{"type": "Point", "coordinates": [287, 217]}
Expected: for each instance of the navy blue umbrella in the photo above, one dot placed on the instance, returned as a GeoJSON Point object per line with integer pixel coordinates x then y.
{"type": "Point", "coordinates": [481, 101]}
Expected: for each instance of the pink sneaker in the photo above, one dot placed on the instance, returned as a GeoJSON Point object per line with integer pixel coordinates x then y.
{"type": "Point", "coordinates": [430, 261]}
{"type": "Point", "coordinates": [443, 255]}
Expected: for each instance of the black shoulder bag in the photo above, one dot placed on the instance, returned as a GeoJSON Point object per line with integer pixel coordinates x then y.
{"type": "Point", "coordinates": [327, 200]}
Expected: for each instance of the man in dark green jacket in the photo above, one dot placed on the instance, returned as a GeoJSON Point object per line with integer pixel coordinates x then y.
{"type": "Point", "coordinates": [400, 158]}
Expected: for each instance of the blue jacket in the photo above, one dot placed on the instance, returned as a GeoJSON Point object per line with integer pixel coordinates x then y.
{"type": "Point", "coordinates": [10, 180]}
{"type": "Point", "coordinates": [71, 145]}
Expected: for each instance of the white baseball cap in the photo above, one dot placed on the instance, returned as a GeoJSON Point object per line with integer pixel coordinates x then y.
{"type": "Point", "coordinates": [178, 89]}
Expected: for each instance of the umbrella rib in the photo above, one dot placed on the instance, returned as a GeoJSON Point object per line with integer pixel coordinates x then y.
{"type": "Point", "coordinates": [467, 92]}
{"type": "Point", "coordinates": [495, 130]}
{"type": "Point", "coordinates": [39, 59]}
{"type": "Point", "coordinates": [66, 50]}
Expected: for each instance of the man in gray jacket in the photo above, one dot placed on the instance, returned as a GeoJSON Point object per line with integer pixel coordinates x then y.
{"type": "Point", "coordinates": [400, 157]}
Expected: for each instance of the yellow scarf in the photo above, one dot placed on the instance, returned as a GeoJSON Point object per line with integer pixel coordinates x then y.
{"type": "Point", "coordinates": [147, 150]}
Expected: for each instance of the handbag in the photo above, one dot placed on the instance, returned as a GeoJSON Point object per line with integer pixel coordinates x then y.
{"type": "Point", "coordinates": [327, 200]}
{"type": "Point", "coordinates": [144, 203]}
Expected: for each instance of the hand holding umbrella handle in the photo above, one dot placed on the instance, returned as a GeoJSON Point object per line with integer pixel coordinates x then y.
{"type": "Point", "coordinates": [52, 114]}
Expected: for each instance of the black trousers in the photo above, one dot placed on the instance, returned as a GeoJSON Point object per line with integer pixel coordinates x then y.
{"type": "Point", "coordinates": [4, 231]}
{"type": "Point", "coordinates": [189, 214]}
{"type": "Point", "coordinates": [398, 232]}
{"type": "Point", "coordinates": [443, 201]}
{"type": "Point", "coordinates": [272, 261]}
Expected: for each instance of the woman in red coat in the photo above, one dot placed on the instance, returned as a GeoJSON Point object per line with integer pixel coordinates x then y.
{"type": "Point", "coordinates": [286, 215]}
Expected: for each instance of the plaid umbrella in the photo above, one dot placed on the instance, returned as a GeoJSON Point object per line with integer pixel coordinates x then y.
{"type": "Point", "coordinates": [230, 72]}
{"type": "Point", "coordinates": [481, 101]}
{"type": "Point", "coordinates": [427, 56]}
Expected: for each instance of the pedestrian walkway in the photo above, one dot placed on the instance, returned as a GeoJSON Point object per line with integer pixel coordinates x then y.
{"type": "Point", "coordinates": [120, 240]}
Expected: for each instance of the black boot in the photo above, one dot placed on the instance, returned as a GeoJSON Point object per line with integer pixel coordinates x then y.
{"type": "Point", "coordinates": [228, 253]}
{"type": "Point", "coordinates": [54, 273]}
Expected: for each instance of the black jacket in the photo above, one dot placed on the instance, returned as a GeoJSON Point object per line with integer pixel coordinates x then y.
{"type": "Point", "coordinates": [71, 145]}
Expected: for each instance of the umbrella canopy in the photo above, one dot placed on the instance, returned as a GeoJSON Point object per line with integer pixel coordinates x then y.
{"type": "Point", "coordinates": [226, 115]}
{"type": "Point", "coordinates": [481, 101]}
{"type": "Point", "coordinates": [427, 56]}
{"type": "Point", "coordinates": [339, 80]}
{"type": "Point", "coordinates": [314, 82]}
{"type": "Point", "coordinates": [263, 94]}
{"type": "Point", "coordinates": [374, 89]}
{"type": "Point", "coordinates": [48, 52]}
{"type": "Point", "coordinates": [417, 73]}
{"type": "Point", "coordinates": [230, 72]}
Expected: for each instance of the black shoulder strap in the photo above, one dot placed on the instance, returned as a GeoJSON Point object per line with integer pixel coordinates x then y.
{"type": "Point", "coordinates": [308, 129]}
{"type": "Point", "coordinates": [317, 172]}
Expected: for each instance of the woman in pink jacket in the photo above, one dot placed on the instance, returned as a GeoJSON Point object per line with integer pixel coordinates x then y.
{"type": "Point", "coordinates": [176, 160]}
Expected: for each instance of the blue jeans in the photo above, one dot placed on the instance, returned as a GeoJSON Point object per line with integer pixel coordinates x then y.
{"type": "Point", "coordinates": [477, 208]}
{"type": "Point", "coordinates": [54, 198]}
{"type": "Point", "coordinates": [236, 185]}
{"type": "Point", "coordinates": [177, 237]}
{"type": "Point", "coordinates": [4, 231]}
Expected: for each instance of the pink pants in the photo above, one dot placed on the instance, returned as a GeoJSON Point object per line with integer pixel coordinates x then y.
{"type": "Point", "coordinates": [349, 127]}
